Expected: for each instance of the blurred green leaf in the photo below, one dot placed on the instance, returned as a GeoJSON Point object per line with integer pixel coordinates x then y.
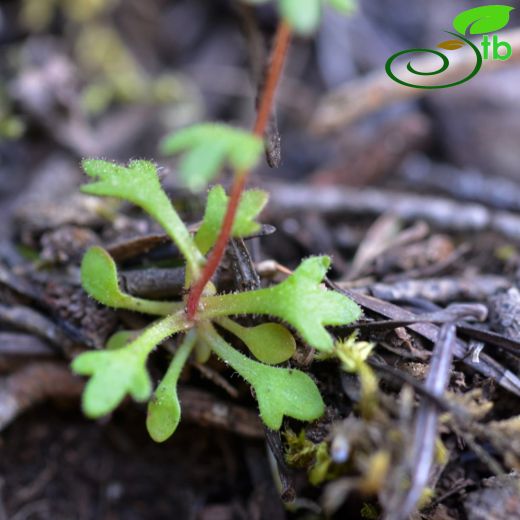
{"type": "Point", "coordinates": [482, 20]}
{"type": "Point", "coordinates": [343, 6]}
{"type": "Point", "coordinates": [208, 147]}
{"type": "Point", "coordinates": [120, 339]}
{"type": "Point", "coordinates": [303, 16]}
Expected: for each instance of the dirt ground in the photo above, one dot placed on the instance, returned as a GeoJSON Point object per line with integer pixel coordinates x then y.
{"type": "Point", "coordinates": [417, 202]}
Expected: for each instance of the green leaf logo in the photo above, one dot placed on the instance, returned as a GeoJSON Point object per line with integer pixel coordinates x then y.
{"type": "Point", "coordinates": [482, 20]}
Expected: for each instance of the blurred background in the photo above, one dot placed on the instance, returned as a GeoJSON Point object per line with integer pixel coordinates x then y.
{"type": "Point", "coordinates": [110, 78]}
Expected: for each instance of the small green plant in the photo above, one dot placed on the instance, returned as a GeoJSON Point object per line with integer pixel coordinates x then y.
{"type": "Point", "coordinates": [300, 301]}
{"type": "Point", "coordinates": [353, 355]}
{"type": "Point", "coordinates": [302, 453]}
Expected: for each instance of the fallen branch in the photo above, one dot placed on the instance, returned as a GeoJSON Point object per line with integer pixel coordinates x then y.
{"type": "Point", "coordinates": [442, 212]}
{"type": "Point", "coordinates": [419, 464]}
{"type": "Point", "coordinates": [29, 320]}
{"type": "Point", "coordinates": [441, 290]}
{"type": "Point", "coordinates": [34, 384]}
{"type": "Point", "coordinates": [17, 350]}
{"type": "Point", "coordinates": [485, 364]}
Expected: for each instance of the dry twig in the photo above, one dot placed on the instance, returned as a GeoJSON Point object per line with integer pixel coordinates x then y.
{"type": "Point", "coordinates": [442, 212]}
{"type": "Point", "coordinates": [485, 364]}
{"type": "Point", "coordinates": [423, 448]}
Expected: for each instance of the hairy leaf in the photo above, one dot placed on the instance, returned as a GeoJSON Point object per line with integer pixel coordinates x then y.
{"type": "Point", "coordinates": [208, 147]}
{"type": "Point", "coordinates": [251, 204]}
{"type": "Point", "coordinates": [99, 279]}
{"type": "Point", "coordinates": [139, 183]}
{"type": "Point", "coordinates": [279, 391]}
{"type": "Point", "coordinates": [270, 343]}
{"type": "Point", "coordinates": [116, 373]}
{"type": "Point", "coordinates": [164, 409]}
{"type": "Point", "coordinates": [482, 20]}
{"type": "Point", "coordinates": [300, 300]}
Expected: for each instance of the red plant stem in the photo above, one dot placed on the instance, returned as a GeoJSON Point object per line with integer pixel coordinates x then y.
{"type": "Point", "coordinates": [281, 46]}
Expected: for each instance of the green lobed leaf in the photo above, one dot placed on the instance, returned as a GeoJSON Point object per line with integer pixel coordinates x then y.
{"type": "Point", "coordinates": [139, 183]}
{"type": "Point", "coordinates": [302, 16]}
{"type": "Point", "coordinates": [300, 301]}
{"type": "Point", "coordinates": [116, 373]}
{"type": "Point", "coordinates": [482, 20]}
{"type": "Point", "coordinates": [251, 204]}
{"type": "Point", "coordinates": [279, 391]}
{"type": "Point", "coordinates": [164, 409]}
{"type": "Point", "coordinates": [208, 147]}
{"type": "Point", "coordinates": [270, 343]}
{"type": "Point", "coordinates": [99, 279]}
